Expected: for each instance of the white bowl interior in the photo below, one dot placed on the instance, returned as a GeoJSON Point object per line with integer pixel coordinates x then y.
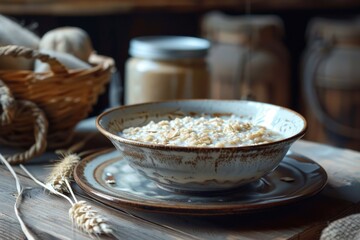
{"type": "Point", "coordinates": [279, 119]}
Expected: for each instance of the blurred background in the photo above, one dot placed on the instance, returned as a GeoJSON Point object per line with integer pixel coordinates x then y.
{"type": "Point", "coordinates": [302, 54]}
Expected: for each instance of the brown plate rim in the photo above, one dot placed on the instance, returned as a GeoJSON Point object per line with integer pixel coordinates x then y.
{"type": "Point", "coordinates": [188, 209]}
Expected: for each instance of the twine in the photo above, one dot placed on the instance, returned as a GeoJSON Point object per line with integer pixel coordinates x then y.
{"type": "Point", "coordinates": [10, 110]}
{"type": "Point", "coordinates": [7, 103]}
{"type": "Point", "coordinates": [41, 109]}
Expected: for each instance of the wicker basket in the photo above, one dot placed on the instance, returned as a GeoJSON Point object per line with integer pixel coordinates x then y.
{"type": "Point", "coordinates": [41, 110]}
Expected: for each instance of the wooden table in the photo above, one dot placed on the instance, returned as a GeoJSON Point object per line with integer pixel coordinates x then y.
{"type": "Point", "coordinates": [47, 215]}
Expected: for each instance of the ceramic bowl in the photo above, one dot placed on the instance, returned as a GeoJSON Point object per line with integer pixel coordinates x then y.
{"type": "Point", "coordinates": [202, 169]}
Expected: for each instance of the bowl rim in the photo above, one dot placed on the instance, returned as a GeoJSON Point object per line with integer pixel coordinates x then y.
{"type": "Point", "coordinates": [110, 135]}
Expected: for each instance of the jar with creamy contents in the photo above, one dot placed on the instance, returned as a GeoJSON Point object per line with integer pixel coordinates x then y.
{"type": "Point", "coordinates": [166, 67]}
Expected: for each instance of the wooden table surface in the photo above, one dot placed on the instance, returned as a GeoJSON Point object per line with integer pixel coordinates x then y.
{"type": "Point", "coordinates": [47, 215]}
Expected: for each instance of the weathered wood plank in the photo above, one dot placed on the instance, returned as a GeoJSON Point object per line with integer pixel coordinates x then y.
{"type": "Point", "coordinates": [276, 223]}
{"type": "Point", "coordinates": [47, 215]}
{"type": "Point", "coordinates": [9, 228]}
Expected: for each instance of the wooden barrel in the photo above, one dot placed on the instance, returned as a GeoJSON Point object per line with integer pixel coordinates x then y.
{"type": "Point", "coordinates": [331, 80]}
{"type": "Point", "coordinates": [247, 59]}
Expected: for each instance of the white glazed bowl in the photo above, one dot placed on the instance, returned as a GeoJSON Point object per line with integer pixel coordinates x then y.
{"type": "Point", "coordinates": [202, 169]}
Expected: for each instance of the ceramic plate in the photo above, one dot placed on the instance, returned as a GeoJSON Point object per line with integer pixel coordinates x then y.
{"type": "Point", "coordinates": [107, 177]}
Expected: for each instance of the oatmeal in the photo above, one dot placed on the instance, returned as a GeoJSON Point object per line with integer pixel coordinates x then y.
{"type": "Point", "coordinates": [204, 131]}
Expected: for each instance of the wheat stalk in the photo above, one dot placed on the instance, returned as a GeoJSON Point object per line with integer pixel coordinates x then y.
{"type": "Point", "coordinates": [44, 185]}
{"type": "Point", "coordinates": [62, 171]}
{"type": "Point", "coordinates": [87, 219]}
{"type": "Point", "coordinates": [19, 190]}
{"type": "Point", "coordinates": [81, 214]}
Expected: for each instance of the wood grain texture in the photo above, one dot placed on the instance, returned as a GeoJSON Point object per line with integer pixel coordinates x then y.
{"type": "Point", "coordinates": [277, 223]}
{"type": "Point", "coordinates": [9, 228]}
{"type": "Point", "coordinates": [47, 215]}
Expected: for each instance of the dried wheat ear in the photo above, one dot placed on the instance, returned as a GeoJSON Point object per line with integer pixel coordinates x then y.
{"type": "Point", "coordinates": [88, 220]}
{"type": "Point", "coordinates": [81, 214]}
{"type": "Point", "coordinates": [62, 171]}
{"type": "Point", "coordinates": [85, 218]}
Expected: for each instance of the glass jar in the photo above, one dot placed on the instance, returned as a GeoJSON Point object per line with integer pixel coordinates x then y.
{"type": "Point", "coordinates": [165, 68]}
{"type": "Point", "coordinates": [247, 58]}
{"type": "Point", "coordinates": [331, 82]}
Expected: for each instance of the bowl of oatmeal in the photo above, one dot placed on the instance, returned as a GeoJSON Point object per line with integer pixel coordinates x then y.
{"type": "Point", "coordinates": [199, 146]}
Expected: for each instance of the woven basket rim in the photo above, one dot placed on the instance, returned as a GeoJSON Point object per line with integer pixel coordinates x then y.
{"type": "Point", "coordinates": [95, 60]}
{"type": "Point", "coordinates": [66, 96]}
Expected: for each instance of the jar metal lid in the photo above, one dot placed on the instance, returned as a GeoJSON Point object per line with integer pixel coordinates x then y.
{"type": "Point", "coordinates": [168, 47]}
